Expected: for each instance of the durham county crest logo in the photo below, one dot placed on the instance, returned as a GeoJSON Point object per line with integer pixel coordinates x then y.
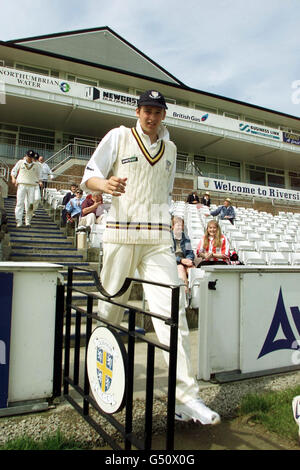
{"type": "Point", "coordinates": [105, 362]}
{"type": "Point", "coordinates": [106, 367]}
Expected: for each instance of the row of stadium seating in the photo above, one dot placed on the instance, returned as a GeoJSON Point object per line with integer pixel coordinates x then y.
{"type": "Point", "coordinates": [54, 199]}
{"type": "Point", "coordinates": [259, 238]}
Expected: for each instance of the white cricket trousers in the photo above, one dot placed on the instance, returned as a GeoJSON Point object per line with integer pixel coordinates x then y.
{"type": "Point", "coordinates": [153, 263]}
{"type": "Point", "coordinates": [25, 198]}
{"type": "Point", "coordinates": [37, 198]}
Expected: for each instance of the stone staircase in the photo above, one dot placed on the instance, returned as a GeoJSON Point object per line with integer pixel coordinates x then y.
{"type": "Point", "coordinates": [45, 241]}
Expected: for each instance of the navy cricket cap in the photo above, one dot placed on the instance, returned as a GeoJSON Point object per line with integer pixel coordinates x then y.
{"type": "Point", "coordinates": [30, 153]}
{"type": "Point", "coordinates": [152, 98]}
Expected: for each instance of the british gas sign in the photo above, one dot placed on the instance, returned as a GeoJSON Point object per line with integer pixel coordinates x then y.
{"type": "Point", "coordinates": [106, 366]}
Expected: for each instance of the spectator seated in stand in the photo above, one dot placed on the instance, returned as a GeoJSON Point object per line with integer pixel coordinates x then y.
{"type": "Point", "coordinates": [73, 207]}
{"type": "Point", "coordinates": [66, 199]}
{"type": "Point", "coordinates": [225, 212]}
{"type": "Point", "coordinates": [92, 212]}
{"type": "Point", "coordinates": [193, 198]}
{"type": "Point", "coordinates": [205, 200]}
{"type": "Point", "coordinates": [183, 250]}
{"type": "Point", "coordinates": [213, 248]}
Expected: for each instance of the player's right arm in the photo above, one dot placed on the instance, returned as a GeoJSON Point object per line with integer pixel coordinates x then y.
{"type": "Point", "coordinates": [95, 177]}
{"type": "Point", "coordinates": [114, 185]}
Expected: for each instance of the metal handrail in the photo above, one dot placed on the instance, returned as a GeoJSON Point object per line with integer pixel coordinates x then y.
{"type": "Point", "coordinates": [72, 380]}
{"type": "Point", "coordinates": [70, 151]}
{"type": "Point", "coordinates": [4, 171]}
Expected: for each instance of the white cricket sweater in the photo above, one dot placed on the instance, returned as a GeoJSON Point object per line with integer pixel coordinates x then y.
{"type": "Point", "coordinates": [141, 215]}
{"type": "Point", "coordinates": [26, 173]}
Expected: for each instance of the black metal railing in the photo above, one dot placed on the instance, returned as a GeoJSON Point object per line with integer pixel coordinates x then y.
{"type": "Point", "coordinates": [82, 390]}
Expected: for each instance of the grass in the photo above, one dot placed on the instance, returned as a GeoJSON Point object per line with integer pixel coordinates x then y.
{"type": "Point", "coordinates": [274, 411]}
{"type": "Point", "coordinates": [49, 442]}
{"type": "Point", "coordinates": [271, 409]}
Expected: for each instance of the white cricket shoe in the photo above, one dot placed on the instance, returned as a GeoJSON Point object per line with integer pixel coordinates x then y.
{"type": "Point", "coordinates": [296, 410]}
{"type": "Point", "coordinates": [196, 410]}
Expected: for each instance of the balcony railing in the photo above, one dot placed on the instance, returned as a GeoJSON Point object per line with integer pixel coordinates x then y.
{"type": "Point", "coordinates": [4, 171]}
{"type": "Point", "coordinates": [12, 152]}
{"type": "Point", "coordinates": [70, 151]}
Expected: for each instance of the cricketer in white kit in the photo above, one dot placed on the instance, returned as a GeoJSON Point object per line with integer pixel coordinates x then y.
{"type": "Point", "coordinates": [25, 175]}
{"type": "Point", "coordinates": [142, 161]}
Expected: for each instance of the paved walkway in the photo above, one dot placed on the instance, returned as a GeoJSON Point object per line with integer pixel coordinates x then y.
{"type": "Point", "coordinates": [233, 433]}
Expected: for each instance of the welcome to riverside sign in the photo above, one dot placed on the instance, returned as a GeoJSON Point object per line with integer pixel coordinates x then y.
{"type": "Point", "coordinates": [235, 188]}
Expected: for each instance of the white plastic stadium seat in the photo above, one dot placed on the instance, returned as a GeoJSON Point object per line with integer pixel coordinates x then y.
{"type": "Point", "coordinates": [227, 227]}
{"type": "Point", "coordinates": [195, 277]}
{"type": "Point", "coordinates": [253, 258]}
{"type": "Point", "coordinates": [96, 234]}
{"type": "Point", "coordinates": [246, 229]}
{"type": "Point", "coordinates": [196, 233]}
{"type": "Point", "coordinates": [236, 236]}
{"type": "Point", "coordinates": [272, 237]}
{"type": "Point", "coordinates": [244, 245]}
{"type": "Point", "coordinates": [262, 230]}
{"type": "Point", "coordinates": [263, 245]}
{"type": "Point", "coordinates": [288, 238]}
{"type": "Point", "coordinates": [295, 259]}
{"type": "Point", "coordinates": [252, 236]}
{"type": "Point", "coordinates": [277, 258]}
{"type": "Point", "coordinates": [283, 247]}
{"type": "Point", "coordinates": [57, 200]}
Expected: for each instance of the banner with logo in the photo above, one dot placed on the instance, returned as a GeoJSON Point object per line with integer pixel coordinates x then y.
{"type": "Point", "coordinates": [236, 188]}
{"type": "Point", "coordinates": [197, 118]}
{"type": "Point", "coordinates": [275, 308]}
{"type": "Point", "coordinates": [223, 122]}
{"type": "Point", "coordinates": [6, 291]}
{"type": "Point", "coordinates": [63, 87]}
{"type": "Point", "coordinates": [291, 138]}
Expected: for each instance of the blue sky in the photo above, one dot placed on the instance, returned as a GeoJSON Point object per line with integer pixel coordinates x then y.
{"type": "Point", "coordinates": [243, 50]}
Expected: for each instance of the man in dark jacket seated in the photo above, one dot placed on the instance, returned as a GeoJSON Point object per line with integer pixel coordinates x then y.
{"type": "Point", "coordinates": [193, 198]}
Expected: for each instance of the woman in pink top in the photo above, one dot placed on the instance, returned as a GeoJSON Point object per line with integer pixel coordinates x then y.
{"type": "Point", "coordinates": [213, 248]}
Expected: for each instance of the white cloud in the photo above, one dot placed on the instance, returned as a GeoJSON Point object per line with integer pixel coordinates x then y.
{"type": "Point", "coordinates": [243, 50]}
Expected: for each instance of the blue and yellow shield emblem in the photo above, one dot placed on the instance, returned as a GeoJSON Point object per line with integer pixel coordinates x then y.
{"type": "Point", "coordinates": [104, 369]}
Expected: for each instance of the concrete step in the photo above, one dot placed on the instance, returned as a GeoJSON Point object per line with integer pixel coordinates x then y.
{"type": "Point", "coordinates": [19, 242]}
{"type": "Point", "coordinates": [84, 284]}
{"type": "Point", "coordinates": [48, 258]}
{"type": "Point", "coordinates": [35, 220]}
{"type": "Point", "coordinates": [31, 236]}
{"type": "Point", "coordinates": [33, 231]}
{"type": "Point", "coordinates": [78, 275]}
{"type": "Point", "coordinates": [60, 250]}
